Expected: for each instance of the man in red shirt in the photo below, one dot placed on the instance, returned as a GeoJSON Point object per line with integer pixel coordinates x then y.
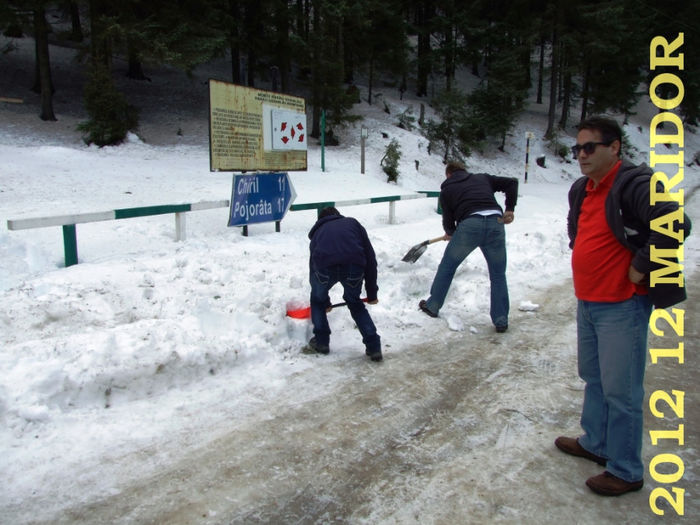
{"type": "Point", "coordinates": [609, 228]}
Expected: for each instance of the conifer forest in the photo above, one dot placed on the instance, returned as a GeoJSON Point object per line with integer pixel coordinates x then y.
{"type": "Point", "coordinates": [591, 55]}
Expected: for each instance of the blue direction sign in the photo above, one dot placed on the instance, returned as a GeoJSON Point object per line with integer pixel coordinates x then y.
{"type": "Point", "coordinates": [260, 197]}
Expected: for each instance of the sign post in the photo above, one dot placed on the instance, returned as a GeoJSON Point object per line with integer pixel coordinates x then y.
{"type": "Point", "coordinates": [260, 197]}
{"type": "Point", "coordinates": [529, 135]}
{"type": "Point", "coordinates": [323, 140]}
{"type": "Point", "coordinates": [363, 140]}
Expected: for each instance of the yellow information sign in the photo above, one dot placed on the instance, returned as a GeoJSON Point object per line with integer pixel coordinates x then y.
{"type": "Point", "coordinates": [251, 129]}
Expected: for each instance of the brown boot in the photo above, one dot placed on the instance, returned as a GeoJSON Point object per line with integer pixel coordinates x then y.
{"type": "Point", "coordinates": [606, 484]}
{"type": "Point", "coordinates": [571, 446]}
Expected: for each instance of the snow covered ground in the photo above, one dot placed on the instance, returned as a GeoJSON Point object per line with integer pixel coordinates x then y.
{"type": "Point", "coordinates": [148, 338]}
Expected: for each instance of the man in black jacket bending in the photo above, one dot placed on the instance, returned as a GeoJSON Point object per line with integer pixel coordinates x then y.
{"type": "Point", "coordinates": [472, 219]}
{"type": "Point", "coordinates": [341, 252]}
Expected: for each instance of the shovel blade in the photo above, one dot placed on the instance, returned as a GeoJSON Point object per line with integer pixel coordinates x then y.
{"type": "Point", "coordinates": [299, 313]}
{"type": "Point", "coordinates": [414, 253]}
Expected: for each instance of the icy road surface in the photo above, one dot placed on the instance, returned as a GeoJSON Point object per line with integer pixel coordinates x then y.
{"type": "Point", "coordinates": [443, 433]}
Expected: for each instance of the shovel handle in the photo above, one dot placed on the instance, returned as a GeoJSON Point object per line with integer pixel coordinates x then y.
{"type": "Point", "coordinates": [436, 239]}
{"type": "Point", "coordinates": [364, 300]}
{"type": "Point", "coordinates": [305, 311]}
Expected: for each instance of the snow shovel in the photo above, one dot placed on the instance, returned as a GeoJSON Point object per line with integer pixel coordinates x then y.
{"type": "Point", "coordinates": [415, 252]}
{"type": "Point", "coordinates": [304, 312]}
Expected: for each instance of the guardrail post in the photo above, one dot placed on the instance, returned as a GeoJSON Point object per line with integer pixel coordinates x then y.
{"type": "Point", "coordinates": [392, 212]}
{"type": "Point", "coordinates": [70, 245]}
{"type": "Point", "coordinates": [180, 226]}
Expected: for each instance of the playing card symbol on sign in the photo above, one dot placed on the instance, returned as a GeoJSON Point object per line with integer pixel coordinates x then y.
{"type": "Point", "coordinates": [288, 130]}
{"type": "Point", "coordinates": [292, 133]}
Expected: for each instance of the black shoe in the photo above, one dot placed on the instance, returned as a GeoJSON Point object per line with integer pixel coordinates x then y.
{"type": "Point", "coordinates": [374, 356]}
{"type": "Point", "coordinates": [314, 348]}
{"type": "Point", "coordinates": [426, 310]}
{"type": "Point", "coordinates": [502, 328]}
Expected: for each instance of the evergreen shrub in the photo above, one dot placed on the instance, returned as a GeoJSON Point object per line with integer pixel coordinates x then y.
{"type": "Point", "coordinates": [111, 117]}
{"type": "Point", "coordinates": [390, 160]}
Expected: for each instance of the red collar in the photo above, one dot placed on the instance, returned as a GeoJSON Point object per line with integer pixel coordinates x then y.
{"type": "Point", "coordinates": [606, 182]}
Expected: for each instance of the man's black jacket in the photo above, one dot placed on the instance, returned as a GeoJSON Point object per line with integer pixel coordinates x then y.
{"type": "Point", "coordinates": [463, 194]}
{"type": "Point", "coordinates": [629, 214]}
{"type": "Point", "coordinates": [343, 240]}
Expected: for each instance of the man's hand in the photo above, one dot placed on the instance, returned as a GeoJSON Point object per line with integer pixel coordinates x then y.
{"type": "Point", "coordinates": [508, 217]}
{"type": "Point", "coordinates": [635, 275]}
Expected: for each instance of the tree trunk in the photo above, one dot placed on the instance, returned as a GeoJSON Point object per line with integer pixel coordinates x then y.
{"type": "Point", "coordinates": [370, 80]}
{"type": "Point", "coordinates": [235, 60]}
{"type": "Point", "coordinates": [540, 69]}
{"type": "Point", "coordinates": [100, 47]}
{"type": "Point", "coordinates": [283, 55]}
{"type": "Point", "coordinates": [423, 22]}
{"type": "Point", "coordinates": [253, 34]}
{"type": "Point", "coordinates": [526, 61]}
{"type": "Point", "coordinates": [36, 85]}
{"type": "Point", "coordinates": [584, 92]}
{"type": "Point", "coordinates": [449, 57]}
{"type": "Point", "coordinates": [135, 67]}
{"type": "Point", "coordinates": [566, 100]}
{"type": "Point", "coordinates": [234, 41]}
{"type": "Point", "coordinates": [41, 34]}
{"type": "Point", "coordinates": [252, 66]}
{"type": "Point", "coordinates": [76, 34]}
{"type": "Point", "coordinates": [302, 15]}
{"type": "Point", "coordinates": [566, 87]}
{"type": "Point", "coordinates": [553, 83]}
{"type": "Point", "coordinates": [348, 57]}
{"type": "Point", "coordinates": [316, 94]}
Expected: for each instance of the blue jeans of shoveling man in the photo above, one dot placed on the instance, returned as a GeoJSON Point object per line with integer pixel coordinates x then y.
{"type": "Point", "coordinates": [488, 234]}
{"type": "Point", "coordinates": [351, 277]}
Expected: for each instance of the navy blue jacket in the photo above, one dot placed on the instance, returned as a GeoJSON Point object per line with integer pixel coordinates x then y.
{"type": "Point", "coordinates": [629, 214]}
{"type": "Point", "coordinates": [464, 194]}
{"type": "Point", "coordinates": [343, 240]}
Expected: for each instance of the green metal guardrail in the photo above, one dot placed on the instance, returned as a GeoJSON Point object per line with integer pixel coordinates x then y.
{"type": "Point", "coordinates": [69, 222]}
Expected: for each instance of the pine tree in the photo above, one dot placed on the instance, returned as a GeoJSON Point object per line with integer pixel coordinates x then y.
{"type": "Point", "coordinates": [324, 58]}
{"type": "Point", "coordinates": [111, 117]}
{"type": "Point", "coordinates": [670, 19]}
{"type": "Point", "coordinates": [425, 13]}
{"type": "Point", "coordinates": [390, 160]}
{"type": "Point", "coordinates": [614, 53]}
{"type": "Point", "coordinates": [452, 132]}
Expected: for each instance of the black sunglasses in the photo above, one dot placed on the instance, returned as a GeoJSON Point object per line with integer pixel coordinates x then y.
{"type": "Point", "coordinates": [588, 147]}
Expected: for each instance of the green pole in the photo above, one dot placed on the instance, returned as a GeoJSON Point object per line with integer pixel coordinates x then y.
{"type": "Point", "coordinates": [70, 245]}
{"type": "Point", "coordinates": [323, 140]}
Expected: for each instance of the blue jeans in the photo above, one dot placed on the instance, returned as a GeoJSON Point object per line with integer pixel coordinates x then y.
{"type": "Point", "coordinates": [488, 234]}
{"type": "Point", "coordinates": [351, 277]}
{"type": "Point", "coordinates": [612, 346]}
